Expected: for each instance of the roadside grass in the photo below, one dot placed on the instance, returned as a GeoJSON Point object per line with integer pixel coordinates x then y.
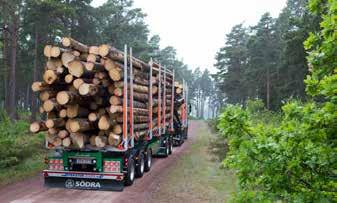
{"type": "Point", "coordinates": [21, 153]}
{"type": "Point", "coordinates": [197, 177]}
{"type": "Point", "coordinates": [29, 167]}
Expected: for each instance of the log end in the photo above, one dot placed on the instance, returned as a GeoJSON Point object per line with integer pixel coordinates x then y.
{"type": "Point", "coordinates": [62, 97]}
{"type": "Point", "coordinates": [103, 50]}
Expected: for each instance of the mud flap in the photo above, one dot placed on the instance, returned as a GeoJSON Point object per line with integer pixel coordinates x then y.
{"type": "Point", "coordinates": [84, 184]}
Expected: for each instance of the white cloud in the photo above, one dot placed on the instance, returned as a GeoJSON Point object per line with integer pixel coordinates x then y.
{"type": "Point", "coordinates": [197, 28]}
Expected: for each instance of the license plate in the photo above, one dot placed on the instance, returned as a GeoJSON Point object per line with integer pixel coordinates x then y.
{"type": "Point", "coordinates": [83, 161]}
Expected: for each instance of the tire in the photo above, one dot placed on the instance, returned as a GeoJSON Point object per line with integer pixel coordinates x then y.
{"type": "Point", "coordinates": [130, 175]}
{"type": "Point", "coordinates": [141, 166]}
{"type": "Point", "coordinates": [167, 149]}
{"type": "Point", "coordinates": [170, 147]}
{"type": "Point", "coordinates": [148, 160]}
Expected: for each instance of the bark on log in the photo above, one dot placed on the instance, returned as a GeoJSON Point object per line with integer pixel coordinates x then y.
{"type": "Point", "coordinates": [71, 43]}
{"type": "Point", "coordinates": [38, 126]}
{"type": "Point", "coordinates": [80, 125]}
{"type": "Point", "coordinates": [88, 89]}
{"type": "Point", "coordinates": [78, 140]}
{"type": "Point", "coordinates": [50, 105]}
{"type": "Point", "coordinates": [48, 94]}
{"type": "Point", "coordinates": [117, 129]}
{"type": "Point", "coordinates": [114, 139]}
{"type": "Point", "coordinates": [93, 50]}
{"type": "Point", "coordinates": [67, 97]}
{"type": "Point", "coordinates": [75, 110]}
{"type": "Point", "coordinates": [105, 122]}
{"type": "Point", "coordinates": [55, 123]}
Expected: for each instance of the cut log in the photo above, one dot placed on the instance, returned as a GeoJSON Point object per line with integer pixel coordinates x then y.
{"type": "Point", "coordinates": [45, 95]}
{"type": "Point", "coordinates": [116, 109]}
{"type": "Point", "coordinates": [71, 43]}
{"type": "Point", "coordinates": [80, 125]}
{"type": "Point", "coordinates": [109, 64]}
{"type": "Point", "coordinates": [66, 142]}
{"type": "Point", "coordinates": [69, 78]}
{"type": "Point", "coordinates": [67, 97]}
{"type": "Point", "coordinates": [76, 68]}
{"type": "Point", "coordinates": [94, 116]}
{"type": "Point", "coordinates": [93, 50]}
{"type": "Point", "coordinates": [136, 88]}
{"type": "Point", "coordinates": [55, 52]}
{"type": "Point", "coordinates": [93, 66]}
{"type": "Point", "coordinates": [136, 119]}
{"type": "Point", "coordinates": [54, 140]}
{"type": "Point", "coordinates": [53, 131]}
{"type": "Point", "coordinates": [50, 105]}
{"type": "Point", "coordinates": [92, 58]}
{"type": "Point", "coordinates": [88, 89]}
{"type": "Point", "coordinates": [101, 141]}
{"type": "Point", "coordinates": [46, 50]}
{"type": "Point", "coordinates": [115, 74]}
{"type": "Point", "coordinates": [101, 75]}
{"type": "Point", "coordinates": [55, 123]}
{"type": "Point", "coordinates": [75, 110]}
{"type": "Point", "coordinates": [50, 76]}
{"type": "Point", "coordinates": [63, 134]}
{"type": "Point", "coordinates": [53, 64]}
{"type": "Point", "coordinates": [63, 113]}
{"type": "Point", "coordinates": [105, 122]}
{"type": "Point", "coordinates": [78, 140]}
{"type": "Point", "coordinates": [67, 57]}
{"type": "Point", "coordinates": [117, 129]}
{"type": "Point", "coordinates": [118, 92]}
{"type": "Point", "coordinates": [38, 126]}
{"type": "Point", "coordinates": [114, 139]}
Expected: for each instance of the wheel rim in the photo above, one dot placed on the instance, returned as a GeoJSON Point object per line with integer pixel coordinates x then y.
{"type": "Point", "coordinates": [149, 160]}
{"type": "Point", "coordinates": [171, 147]}
{"type": "Point", "coordinates": [132, 172]}
{"type": "Point", "coordinates": [167, 150]}
{"type": "Point", "coordinates": [142, 166]}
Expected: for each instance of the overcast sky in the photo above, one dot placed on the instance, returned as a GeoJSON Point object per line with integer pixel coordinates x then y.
{"type": "Point", "coordinates": [197, 28]}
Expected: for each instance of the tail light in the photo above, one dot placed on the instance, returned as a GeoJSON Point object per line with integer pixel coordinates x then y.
{"type": "Point", "coordinates": [111, 166]}
{"type": "Point", "coordinates": [55, 164]}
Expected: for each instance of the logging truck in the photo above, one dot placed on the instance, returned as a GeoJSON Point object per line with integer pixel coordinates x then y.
{"type": "Point", "coordinates": [108, 114]}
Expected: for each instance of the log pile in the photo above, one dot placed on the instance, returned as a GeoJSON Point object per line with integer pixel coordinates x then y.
{"type": "Point", "coordinates": [179, 103]}
{"type": "Point", "coordinates": [82, 95]}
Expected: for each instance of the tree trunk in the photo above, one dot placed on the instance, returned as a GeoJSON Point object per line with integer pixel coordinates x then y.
{"type": "Point", "coordinates": [12, 77]}
{"type": "Point", "coordinates": [268, 88]}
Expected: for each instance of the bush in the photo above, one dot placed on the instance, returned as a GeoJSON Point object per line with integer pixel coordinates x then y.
{"type": "Point", "coordinates": [294, 160]}
{"type": "Point", "coordinates": [16, 143]}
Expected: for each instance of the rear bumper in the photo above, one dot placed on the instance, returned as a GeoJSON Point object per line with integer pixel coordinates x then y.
{"type": "Point", "coordinates": [84, 180]}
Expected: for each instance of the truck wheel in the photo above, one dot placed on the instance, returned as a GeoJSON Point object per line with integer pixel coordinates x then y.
{"type": "Point", "coordinates": [140, 167]}
{"type": "Point", "coordinates": [148, 160]}
{"type": "Point", "coordinates": [167, 149]}
{"type": "Point", "coordinates": [130, 175]}
{"type": "Point", "coordinates": [171, 147]}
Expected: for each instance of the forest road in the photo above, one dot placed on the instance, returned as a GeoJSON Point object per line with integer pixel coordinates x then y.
{"type": "Point", "coordinates": [32, 189]}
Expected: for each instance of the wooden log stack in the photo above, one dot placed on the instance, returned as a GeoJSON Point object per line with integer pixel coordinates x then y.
{"type": "Point", "coordinates": [82, 95]}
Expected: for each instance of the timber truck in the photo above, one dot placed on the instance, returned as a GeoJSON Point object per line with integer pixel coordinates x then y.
{"type": "Point", "coordinates": [112, 168]}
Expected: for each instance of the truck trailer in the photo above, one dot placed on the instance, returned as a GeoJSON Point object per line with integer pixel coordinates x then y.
{"type": "Point", "coordinates": [113, 167]}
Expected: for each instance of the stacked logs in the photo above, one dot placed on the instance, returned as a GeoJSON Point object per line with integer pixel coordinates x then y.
{"type": "Point", "coordinates": [82, 96]}
{"type": "Point", "coordinates": [179, 103]}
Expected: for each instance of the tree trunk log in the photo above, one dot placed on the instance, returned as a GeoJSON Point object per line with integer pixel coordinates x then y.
{"type": "Point", "coordinates": [71, 43]}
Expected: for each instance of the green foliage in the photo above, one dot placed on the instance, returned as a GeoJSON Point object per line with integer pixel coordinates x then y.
{"type": "Point", "coordinates": [292, 161]}
{"type": "Point", "coordinates": [16, 144]}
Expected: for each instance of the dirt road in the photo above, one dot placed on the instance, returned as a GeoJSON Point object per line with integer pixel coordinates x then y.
{"type": "Point", "coordinates": [32, 190]}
